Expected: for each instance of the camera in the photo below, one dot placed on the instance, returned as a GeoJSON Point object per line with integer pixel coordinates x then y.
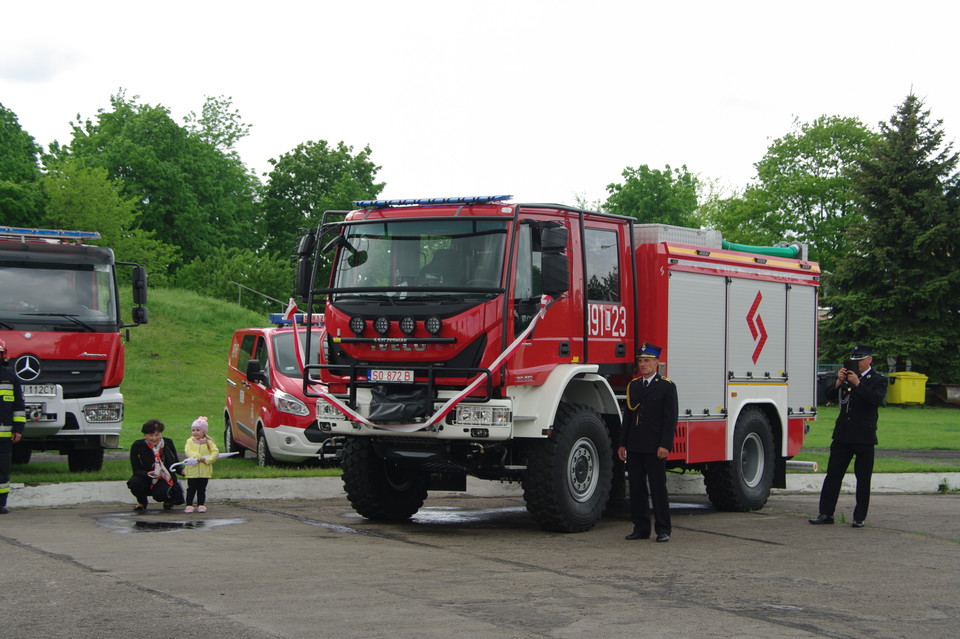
{"type": "Point", "coordinates": [852, 365]}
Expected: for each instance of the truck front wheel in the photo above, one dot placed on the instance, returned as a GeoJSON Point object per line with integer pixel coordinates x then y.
{"type": "Point", "coordinates": [567, 481]}
{"type": "Point", "coordinates": [378, 488]}
{"type": "Point", "coordinates": [744, 483]}
{"type": "Point", "coordinates": [84, 460]}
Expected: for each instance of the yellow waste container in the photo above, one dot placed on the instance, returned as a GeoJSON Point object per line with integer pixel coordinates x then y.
{"type": "Point", "coordinates": [907, 388]}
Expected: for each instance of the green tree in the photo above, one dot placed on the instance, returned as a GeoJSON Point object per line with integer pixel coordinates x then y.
{"type": "Point", "coordinates": [83, 198]}
{"type": "Point", "coordinates": [655, 196]}
{"type": "Point", "coordinates": [898, 288]}
{"type": "Point", "coordinates": [219, 124]}
{"type": "Point", "coordinates": [219, 273]}
{"type": "Point", "coordinates": [191, 193]}
{"type": "Point", "coordinates": [806, 187]}
{"type": "Point", "coordinates": [20, 193]}
{"type": "Point", "coordinates": [743, 218]}
{"type": "Point", "coordinates": [313, 178]}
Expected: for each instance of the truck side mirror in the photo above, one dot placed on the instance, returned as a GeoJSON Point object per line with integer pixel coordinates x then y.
{"type": "Point", "coordinates": [555, 277]}
{"type": "Point", "coordinates": [139, 285]}
{"type": "Point", "coordinates": [254, 374]}
{"type": "Point", "coordinates": [304, 278]}
{"type": "Point", "coordinates": [140, 315]}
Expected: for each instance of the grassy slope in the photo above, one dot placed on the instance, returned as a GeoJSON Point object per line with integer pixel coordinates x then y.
{"type": "Point", "coordinates": [176, 371]}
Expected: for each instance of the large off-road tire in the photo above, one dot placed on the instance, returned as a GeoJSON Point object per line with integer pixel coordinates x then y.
{"type": "Point", "coordinates": [567, 481]}
{"type": "Point", "coordinates": [264, 456]}
{"type": "Point", "coordinates": [20, 453]}
{"type": "Point", "coordinates": [378, 488]}
{"type": "Point", "coordinates": [744, 483]}
{"type": "Point", "coordinates": [85, 460]}
{"type": "Point", "coordinates": [230, 445]}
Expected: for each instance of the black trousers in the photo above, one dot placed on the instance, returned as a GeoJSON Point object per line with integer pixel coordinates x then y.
{"type": "Point", "coordinates": [160, 491]}
{"type": "Point", "coordinates": [643, 468]}
{"type": "Point", "coordinates": [197, 487]}
{"type": "Point", "coordinates": [840, 456]}
{"type": "Point", "coordinates": [6, 461]}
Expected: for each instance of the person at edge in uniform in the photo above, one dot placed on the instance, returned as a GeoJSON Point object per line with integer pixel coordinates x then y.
{"type": "Point", "coordinates": [646, 438]}
{"type": "Point", "coordinates": [13, 419]}
{"type": "Point", "coordinates": [859, 394]}
{"type": "Point", "coordinates": [151, 459]}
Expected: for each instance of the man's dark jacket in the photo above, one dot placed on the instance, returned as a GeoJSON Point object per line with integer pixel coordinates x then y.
{"type": "Point", "coordinates": [857, 421]}
{"type": "Point", "coordinates": [650, 421]}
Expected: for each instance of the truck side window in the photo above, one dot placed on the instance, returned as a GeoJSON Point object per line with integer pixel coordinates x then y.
{"type": "Point", "coordinates": [527, 289]}
{"type": "Point", "coordinates": [603, 267]}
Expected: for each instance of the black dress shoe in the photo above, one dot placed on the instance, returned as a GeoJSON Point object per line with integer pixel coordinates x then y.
{"type": "Point", "coordinates": [662, 537]}
{"type": "Point", "coordinates": [821, 519]}
{"type": "Point", "coordinates": [637, 535]}
{"type": "Point", "coordinates": [3, 510]}
{"type": "Point", "coordinates": [857, 524]}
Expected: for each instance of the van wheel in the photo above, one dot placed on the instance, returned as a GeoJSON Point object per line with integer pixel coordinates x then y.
{"type": "Point", "coordinates": [377, 488]}
{"type": "Point", "coordinates": [264, 458]}
{"type": "Point", "coordinates": [568, 477]}
{"type": "Point", "coordinates": [744, 483]}
{"type": "Point", "coordinates": [229, 443]}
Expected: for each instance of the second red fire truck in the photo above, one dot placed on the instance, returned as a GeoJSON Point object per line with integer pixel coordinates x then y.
{"type": "Point", "coordinates": [475, 336]}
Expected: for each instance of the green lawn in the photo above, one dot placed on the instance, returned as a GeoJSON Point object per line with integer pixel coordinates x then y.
{"type": "Point", "coordinates": [176, 371]}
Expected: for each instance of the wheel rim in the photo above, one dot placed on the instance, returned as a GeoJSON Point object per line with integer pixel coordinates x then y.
{"type": "Point", "coordinates": [261, 451]}
{"type": "Point", "coordinates": [751, 460]}
{"type": "Point", "coordinates": [582, 470]}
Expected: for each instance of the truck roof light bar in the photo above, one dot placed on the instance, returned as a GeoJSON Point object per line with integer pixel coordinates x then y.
{"type": "Point", "coordinates": [50, 234]}
{"type": "Point", "coordinates": [473, 199]}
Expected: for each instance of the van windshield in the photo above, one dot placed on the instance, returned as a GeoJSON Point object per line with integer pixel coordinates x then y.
{"type": "Point", "coordinates": [286, 356]}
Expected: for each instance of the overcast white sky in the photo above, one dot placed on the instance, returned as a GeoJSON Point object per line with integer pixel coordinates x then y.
{"type": "Point", "coordinates": [544, 100]}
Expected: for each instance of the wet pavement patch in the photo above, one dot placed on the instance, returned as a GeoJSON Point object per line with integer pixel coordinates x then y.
{"type": "Point", "coordinates": [137, 523]}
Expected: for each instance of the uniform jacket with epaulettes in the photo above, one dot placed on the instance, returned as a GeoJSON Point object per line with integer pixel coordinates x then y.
{"type": "Point", "coordinates": [650, 421]}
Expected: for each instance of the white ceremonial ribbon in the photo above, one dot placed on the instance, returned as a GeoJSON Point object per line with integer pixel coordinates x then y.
{"type": "Point", "coordinates": [545, 302]}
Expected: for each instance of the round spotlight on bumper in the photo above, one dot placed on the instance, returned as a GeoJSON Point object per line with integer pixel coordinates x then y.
{"type": "Point", "coordinates": [357, 324]}
{"type": "Point", "coordinates": [433, 324]}
{"type": "Point", "coordinates": [381, 325]}
{"type": "Point", "coordinates": [407, 325]}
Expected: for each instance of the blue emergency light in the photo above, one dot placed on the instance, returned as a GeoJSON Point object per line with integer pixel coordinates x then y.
{"type": "Point", "coordinates": [51, 234]}
{"type": "Point", "coordinates": [473, 199]}
{"type": "Point", "coordinates": [301, 318]}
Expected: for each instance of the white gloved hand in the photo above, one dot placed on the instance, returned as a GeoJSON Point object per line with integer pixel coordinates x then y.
{"type": "Point", "coordinates": [189, 461]}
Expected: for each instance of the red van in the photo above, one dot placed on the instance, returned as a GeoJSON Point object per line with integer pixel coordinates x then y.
{"type": "Point", "coordinates": [266, 411]}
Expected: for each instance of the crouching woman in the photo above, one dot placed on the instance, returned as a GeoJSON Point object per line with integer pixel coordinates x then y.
{"type": "Point", "coordinates": [151, 459]}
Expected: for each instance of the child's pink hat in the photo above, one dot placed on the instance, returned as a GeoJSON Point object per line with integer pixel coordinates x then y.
{"type": "Point", "coordinates": [201, 423]}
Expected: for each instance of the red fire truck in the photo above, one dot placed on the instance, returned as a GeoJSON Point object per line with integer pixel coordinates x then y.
{"type": "Point", "coordinates": [474, 336]}
{"type": "Point", "coordinates": [60, 319]}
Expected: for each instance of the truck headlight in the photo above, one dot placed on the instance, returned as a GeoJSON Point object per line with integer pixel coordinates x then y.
{"type": "Point", "coordinates": [103, 413]}
{"type": "Point", "coordinates": [287, 403]}
{"type": "Point", "coordinates": [327, 411]}
{"type": "Point", "coordinates": [473, 415]}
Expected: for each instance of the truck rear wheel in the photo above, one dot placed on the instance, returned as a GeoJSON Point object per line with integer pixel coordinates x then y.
{"type": "Point", "coordinates": [567, 481]}
{"type": "Point", "coordinates": [744, 483]}
{"type": "Point", "coordinates": [85, 460]}
{"type": "Point", "coordinates": [377, 488]}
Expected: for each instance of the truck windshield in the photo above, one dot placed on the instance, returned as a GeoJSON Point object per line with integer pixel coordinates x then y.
{"type": "Point", "coordinates": [421, 259]}
{"type": "Point", "coordinates": [58, 297]}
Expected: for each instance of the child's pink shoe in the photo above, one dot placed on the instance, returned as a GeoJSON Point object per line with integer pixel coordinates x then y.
{"type": "Point", "coordinates": [201, 509]}
{"type": "Point", "coordinates": [188, 509]}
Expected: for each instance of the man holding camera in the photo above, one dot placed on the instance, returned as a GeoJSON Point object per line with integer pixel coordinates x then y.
{"type": "Point", "coordinates": [859, 391]}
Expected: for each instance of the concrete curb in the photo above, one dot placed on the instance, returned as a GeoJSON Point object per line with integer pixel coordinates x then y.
{"type": "Point", "coordinates": [72, 493]}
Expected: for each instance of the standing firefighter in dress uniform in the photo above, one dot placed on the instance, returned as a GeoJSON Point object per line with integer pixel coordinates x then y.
{"type": "Point", "coordinates": [646, 438]}
{"type": "Point", "coordinates": [13, 418]}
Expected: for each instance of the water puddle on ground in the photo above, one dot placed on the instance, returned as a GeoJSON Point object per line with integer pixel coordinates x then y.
{"type": "Point", "coordinates": [162, 523]}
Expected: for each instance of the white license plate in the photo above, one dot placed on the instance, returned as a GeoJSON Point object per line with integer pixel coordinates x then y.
{"type": "Point", "coordinates": [379, 375]}
{"type": "Point", "coordinates": [40, 390]}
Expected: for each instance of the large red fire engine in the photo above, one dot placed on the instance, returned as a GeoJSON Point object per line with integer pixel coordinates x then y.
{"type": "Point", "coordinates": [473, 336]}
{"type": "Point", "coordinates": [60, 318]}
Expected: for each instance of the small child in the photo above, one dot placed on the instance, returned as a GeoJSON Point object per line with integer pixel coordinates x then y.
{"type": "Point", "coordinates": [205, 452]}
